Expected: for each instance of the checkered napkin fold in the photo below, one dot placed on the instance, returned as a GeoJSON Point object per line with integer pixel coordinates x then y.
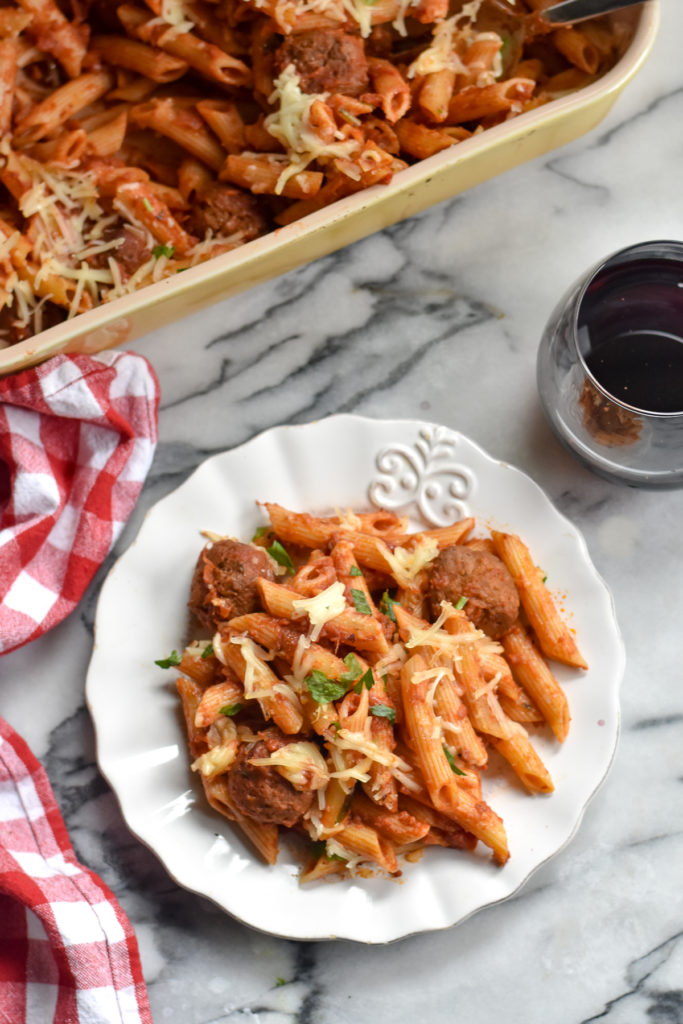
{"type": "Point", "coordinates": [77, 436]}
{"type": "Point", "coordinates": [68, 954]}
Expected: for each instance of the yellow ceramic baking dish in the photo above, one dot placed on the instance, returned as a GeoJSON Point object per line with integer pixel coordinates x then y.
{"type": "Point", "coordinates": [444, 175]}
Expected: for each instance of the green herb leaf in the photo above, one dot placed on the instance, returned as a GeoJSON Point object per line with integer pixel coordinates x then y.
{"type": "Point", "coordinates": [451, 761]}
{"type": "Point", "coordinates": [386, 606]}
{"type": "Point", "coordinates": [355, 571]}
{"type": "Point", "coordinates": [230, 710]}
{"type": "Point", "coordinates": [383, 711]}
{"type": "Point", "coordinates": [277, 552]}
{"type": "Point", "coordinates": [461, 602]}
{"type": "Point", "coordinates": [208, 651]}
{"type": "Point", "coordinates": [261, 532]}
{"type": "Point", "coordinates": [544, 578]}
{"type": "Point", "coordinates": [147, 205]}
{"type": "Point", "coordinates": [354, 669]}
{"type": "Point", "coordinates": [320, 850]}
{"type": "Point", "coordinates": [360, 602]}
{"type": "Point", "coordinates": [163, 250]}
{"type": "Point", "coordinates": [366, 681]}
{"type": "Point", "coordinates": [348, 116]}
{"type": "Point", "coordinates": [345, 807]}
{"type": "Point", "coordinates": [323, 689]}
{"type": "Point", "coordinates": [279, 982]}
{"type": "Point", "coordinates": [173, 659]}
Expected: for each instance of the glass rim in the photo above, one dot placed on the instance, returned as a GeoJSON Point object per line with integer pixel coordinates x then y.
{"type": "Point", "coordinates": [627, 251]}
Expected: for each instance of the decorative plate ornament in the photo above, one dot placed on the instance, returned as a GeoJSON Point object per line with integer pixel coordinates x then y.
{"type": "Point", "coordinates": [427, 474]}
{"type": "Point", "coordinates": [433, 475]}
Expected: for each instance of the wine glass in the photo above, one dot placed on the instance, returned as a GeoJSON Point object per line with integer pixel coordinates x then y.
{"type": "Point", "coordinates": [610, 367]}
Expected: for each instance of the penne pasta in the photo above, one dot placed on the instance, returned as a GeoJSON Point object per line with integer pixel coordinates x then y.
{"type": "Point", "coordinates": [553, 635]}
{"type": "Point", "coordinates": [320, 705]}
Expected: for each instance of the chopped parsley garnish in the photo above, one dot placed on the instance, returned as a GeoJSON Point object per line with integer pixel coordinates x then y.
{"type": "Point", "coordinates": [323, 689]}
{"type": "Point", "coordinates": [544, 578]}
{"type": "Point", "coordinates": [320, 850]}
{"type": "Point", "coordinates": [279, 982]}
{"type": "Point", "coordinates": [208, 651]}
{"type": "Point", "coordinates": [366, 681]}
{"type": "Point", "coordinates": [451, 761]}
{"type": "Point", "coordinates": [345, 807]}
{"type": "Point", "coordinates": [360, 602]}
{"type": "Point", "coordinates": [230, 710]}
{"type": "Point", "coordinates": [386, 606]}
{"type": "Point", "coordinates": [277, 552]}
{"type": "Point", "coordinates": [347, 115]}
{"type": "Point", "coordinates": [355, 571]}
{"type": "Point", "coordinates": [383, 711]}
{"type": "Point", "coordinates": [261, 532]}
{"type": "Point", "coordinates": [173, 659]}
{"type": "Point", "coordinates": [163, 250]}
{"type": "Point", "coordinates": [354, 669]}
{"type": "Point", "coordinates": [461, 602]}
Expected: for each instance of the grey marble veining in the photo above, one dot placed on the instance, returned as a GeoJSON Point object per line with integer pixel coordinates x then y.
{"type": "Point", "coordinates": [439, 318]}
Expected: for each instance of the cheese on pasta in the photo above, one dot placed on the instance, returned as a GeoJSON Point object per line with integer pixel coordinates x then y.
{"type": "Point", "coordinates": [67, 226]}
{"type": "Point", "coordinates": [450, 644]}
{"type": "Point", "coordinates": [290, 125]}
{"type": "Point", "coordinates": [301, 764]}
{"type": "Point", "coordinates": [406, 563]}
{"type": "Point", "coordinates": [322, 607]}
{"type": "Point", "coordinates": [440, 55]}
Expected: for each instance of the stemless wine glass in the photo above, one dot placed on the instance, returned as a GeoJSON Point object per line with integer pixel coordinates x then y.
{"type": "Point", "coordinates": [610, 367]}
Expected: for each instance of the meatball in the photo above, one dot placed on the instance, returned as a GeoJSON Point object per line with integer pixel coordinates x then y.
{"type": "Point", "coordinates": [259, 791]}
{"type": "Point", "coordinates": [225, 581]}
{"type": "Point", "coordinates": [492, 598]}
{"type": "Point", "coordinates": [225, 210]}
{"type": "Point", "coordinates": [326, 60]}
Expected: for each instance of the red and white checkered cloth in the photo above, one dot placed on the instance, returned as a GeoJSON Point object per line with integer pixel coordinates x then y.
{"type": "Point", "coordinates": [77, 436]}
{"type": "Point", "coordinates": [68, 954]}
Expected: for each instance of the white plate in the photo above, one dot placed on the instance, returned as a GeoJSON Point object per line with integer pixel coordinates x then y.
{"type": "Point", "coordinates": [435, 476]}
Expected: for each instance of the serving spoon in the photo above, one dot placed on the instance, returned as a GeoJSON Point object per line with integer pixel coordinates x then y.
{"type": "Point", "coordinates": [569, 11]}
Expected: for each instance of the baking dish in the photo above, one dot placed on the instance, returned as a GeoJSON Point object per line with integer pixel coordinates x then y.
{"type": "Point", "coordinates": [430, 181]}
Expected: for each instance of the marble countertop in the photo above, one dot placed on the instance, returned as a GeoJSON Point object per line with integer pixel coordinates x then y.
{"type": "Point", "coordinates": [423, 309]}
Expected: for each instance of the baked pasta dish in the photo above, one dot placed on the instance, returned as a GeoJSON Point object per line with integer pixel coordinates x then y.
{"type": "Point", "coordinates": [141, 138]}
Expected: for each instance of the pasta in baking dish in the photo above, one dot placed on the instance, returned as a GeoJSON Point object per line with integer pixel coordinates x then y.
{"type": "Point", "coordinates": [355, 678]}
{"type": "Point", "coordinates": [141, 138]}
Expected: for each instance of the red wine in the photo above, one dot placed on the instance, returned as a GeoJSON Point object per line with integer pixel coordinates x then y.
{"type": "Point", "coordinates": [630, 330]}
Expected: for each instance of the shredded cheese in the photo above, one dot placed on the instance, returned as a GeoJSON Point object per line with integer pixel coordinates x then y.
{"type": "Point", "coordinates": [222, 737]}
{"type": "Point", "coordinates": [290, 125]}
{"type": "Point", "coordinates": [257, 675]}
{"type": "Point", "coordinates": [301, 764]}
{"type": "Point", "coordinates": [406, 563]}
{"type": "Point", "coordinates": [322, 607]}
{"type": "Point", "coordinates": [441, 54]}
{"type": "Point", "coordinates": [451, 644]}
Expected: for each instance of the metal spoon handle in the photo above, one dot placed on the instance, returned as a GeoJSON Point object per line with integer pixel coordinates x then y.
{"type": "Point", "coordinates": [578, 10]}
